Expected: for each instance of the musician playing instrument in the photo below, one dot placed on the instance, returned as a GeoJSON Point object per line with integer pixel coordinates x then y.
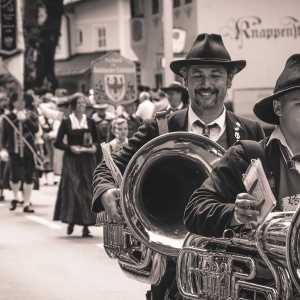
{"type": "Point", "coordinates": [208, 72]}
{"type": "Point", "coordinates": [222, 201]}
{"type": "Point", "coordinates": [15, 149]}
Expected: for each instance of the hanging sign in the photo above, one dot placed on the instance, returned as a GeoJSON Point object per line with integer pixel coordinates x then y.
{"type": "Point", "coordinates": [8, 22]}
{"type": "Point", "coordinates": [114, 79]}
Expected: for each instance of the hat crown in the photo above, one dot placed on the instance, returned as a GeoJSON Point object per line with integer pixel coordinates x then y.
{"type": "Point", "coordinates": [290, 75]}
{"type": "Point", "coordinates": [208, 46]}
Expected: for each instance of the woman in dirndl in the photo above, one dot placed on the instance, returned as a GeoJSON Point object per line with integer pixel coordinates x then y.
{"type": "Point", "coordinates": [73, 204]}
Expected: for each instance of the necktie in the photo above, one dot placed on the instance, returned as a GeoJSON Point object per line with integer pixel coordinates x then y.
{"type": "Point", "coordinates": [290, 161]}
{"type": "Point", "coordinates": [205, 128]}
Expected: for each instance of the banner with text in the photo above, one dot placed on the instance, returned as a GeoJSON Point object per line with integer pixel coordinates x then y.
{"type": "Point", "coordinates": [114, 79]}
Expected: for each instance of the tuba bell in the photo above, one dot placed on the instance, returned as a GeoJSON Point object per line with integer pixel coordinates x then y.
{"type": "Point", "coordinates": [156, 186]}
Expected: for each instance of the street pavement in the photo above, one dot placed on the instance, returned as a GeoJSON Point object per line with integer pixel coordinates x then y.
{"type": "Point", "coordinates": [39, 261]}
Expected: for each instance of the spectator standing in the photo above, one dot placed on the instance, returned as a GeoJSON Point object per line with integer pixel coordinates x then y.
{"type": "Point", "coordinates": [119, 128]}
{"type": "Point", "coordinates": [75, 189]}
{"type": "Point", "coordinates": [133, 121]}
{"type": "Point", "coordinates": [146, 108]}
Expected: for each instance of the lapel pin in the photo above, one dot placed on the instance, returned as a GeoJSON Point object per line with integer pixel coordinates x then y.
{"type": "Point", "coordinates": [237, 135]}
{"type": "Point", "coordinates": [236, 128]}
{"type": "Point", "coordinates": [238, 124]}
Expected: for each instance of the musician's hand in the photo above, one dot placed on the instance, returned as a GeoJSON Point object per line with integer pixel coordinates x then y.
{"type": "Point", "coordinates": [247, 209]}
{"type": "Point", "coordinates": [4, 156]}
{"type": "Point", "coordinates": [76, 149]}
{"type": "Point", "coordinates": [109, 201]}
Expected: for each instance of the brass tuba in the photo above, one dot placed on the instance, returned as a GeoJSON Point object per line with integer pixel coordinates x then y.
{"type": "Point", "coordinates": [156, 186]}
{"type": "Point", "coordinates": [260, 264]}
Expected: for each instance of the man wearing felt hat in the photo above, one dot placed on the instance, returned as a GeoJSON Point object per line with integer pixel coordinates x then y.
{"type": "Point", "coordinates": [208, 72]}
{"type": "Point", "coordinates": [212, 208]}
{"type": "Point", "coordinates": [178, 97]}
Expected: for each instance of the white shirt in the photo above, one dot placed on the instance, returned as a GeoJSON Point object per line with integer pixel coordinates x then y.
{"type": "Point", "coordinates": [75, 122]}
{"type": "Point", "coordinates": [278, 135]}
{"type": "Point", "coordinates": [145, 110]}
{"type": "Point", "coordinates": [215, 133]}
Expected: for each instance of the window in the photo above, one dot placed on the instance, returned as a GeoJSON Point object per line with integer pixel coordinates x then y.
{"type": "Point", "coordinates": [188, 1]}
{"type": "Point", "coordinates": [137, 10]}
{"type": "Point", "coordinates": [79, 38]}
{"type": "Point", "coordinates": [101, 37]}
{"type": "Point", "coordinates": [176, 3]}
{"type": "Point", "coordinates": [155, 7]}
{"type": "Point", "coordinates": [158, 81]}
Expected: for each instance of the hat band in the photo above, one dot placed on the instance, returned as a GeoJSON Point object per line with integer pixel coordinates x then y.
{"type": "Point", "coordinates": [210, 59]}
{"type": "Point", "coordinates": [287, 88]}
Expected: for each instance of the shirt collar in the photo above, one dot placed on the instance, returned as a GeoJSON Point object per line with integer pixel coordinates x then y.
{"type": "Point", "coordinates": [192, 117]}
{"type": "Point", "coordinates": [180, 106]}
{"type": "Point", "coordinates": [278, 135]}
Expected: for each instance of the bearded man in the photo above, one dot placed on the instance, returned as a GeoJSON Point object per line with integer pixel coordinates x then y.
{"type": "Point", "coordinates": [208, 73]}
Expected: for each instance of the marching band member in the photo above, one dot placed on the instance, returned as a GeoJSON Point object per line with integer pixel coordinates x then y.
{"type": "Point", "coordinates": [208, 72]}
{"type": "Point", "coordinates": [178, 97]}
{"type": "Point", "coordinates": [18, 130]}
{"type": "Point", "coordinates": [222, 201]}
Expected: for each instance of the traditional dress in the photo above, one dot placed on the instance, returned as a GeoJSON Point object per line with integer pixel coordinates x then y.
{"type": "Point", "coordinates": [73, 204]}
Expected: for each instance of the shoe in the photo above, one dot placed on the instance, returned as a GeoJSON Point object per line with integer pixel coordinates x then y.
{"type": "Point", "coordinates": [28, 210]}
{"type": "Point", "coordinates": [86, 232]}
{"type": "Point", "coordinates": [14, 204]}
{"type": "Point", "coordinates": [70, 228]}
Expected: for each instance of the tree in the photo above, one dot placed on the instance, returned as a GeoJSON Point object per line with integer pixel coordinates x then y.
{"type": "Point", "coordinates": [42, 23]}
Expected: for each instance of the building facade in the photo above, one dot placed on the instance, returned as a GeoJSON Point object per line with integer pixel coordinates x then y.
{"type": "Point", "coordinates": [90, 29]}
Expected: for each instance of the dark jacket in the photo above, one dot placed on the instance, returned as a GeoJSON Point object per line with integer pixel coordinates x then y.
{"type": "Point", "coordinates": [75, 137]}
{"type": "Point", "coordinates": [30, 128]}
{"type": "Point", "coordinates": [211, 207]}
{"type": "Point", "coordinates": [102, 125]}
{"type": "Point", "coordinates": [178, 121]}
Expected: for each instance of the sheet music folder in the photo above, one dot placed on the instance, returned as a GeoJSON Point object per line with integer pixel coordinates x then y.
{"type": "Point", "coordinates": [257, 185]}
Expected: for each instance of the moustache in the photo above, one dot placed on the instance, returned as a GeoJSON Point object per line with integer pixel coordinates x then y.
{"type": "Point", "coordinates": [209, 90]}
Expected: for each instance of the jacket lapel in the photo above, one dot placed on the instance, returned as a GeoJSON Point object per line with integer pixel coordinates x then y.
{"type": "Point", "coordinates": [234, 128]}
{"type": "Point", "coordinates": [178, 121]}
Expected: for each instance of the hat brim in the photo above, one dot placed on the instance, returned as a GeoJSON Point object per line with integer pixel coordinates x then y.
{"type": "Point", "coordinates": [177, 65]}
{"type": "Point", "coordinates": [264, 109]}
{"type": "Point", "coordinates": [175, 88]}
{"type": "Point", "coordinates": [100, 106]}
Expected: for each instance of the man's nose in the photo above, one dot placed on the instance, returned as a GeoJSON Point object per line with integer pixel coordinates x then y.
{"type": "Point", "coordinates": [205, 82]}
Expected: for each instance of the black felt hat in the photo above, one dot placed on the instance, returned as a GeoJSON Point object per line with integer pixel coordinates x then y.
{"type": "Point", "coordinates": [176, 86]}
{"type": "Point", "coordinates": [288, 81]}
{"type": "Point", "coordinates": [208, 49]}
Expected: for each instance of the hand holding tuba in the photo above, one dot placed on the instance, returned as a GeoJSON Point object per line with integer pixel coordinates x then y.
{"type": "Point", "coordinates": [110, 201]}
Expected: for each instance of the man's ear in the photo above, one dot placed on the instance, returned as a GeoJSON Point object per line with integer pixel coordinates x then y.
{"type": "Point", "coordinates": [229, 80]}
{"type": "Point", "coordinates": [277, 107]}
